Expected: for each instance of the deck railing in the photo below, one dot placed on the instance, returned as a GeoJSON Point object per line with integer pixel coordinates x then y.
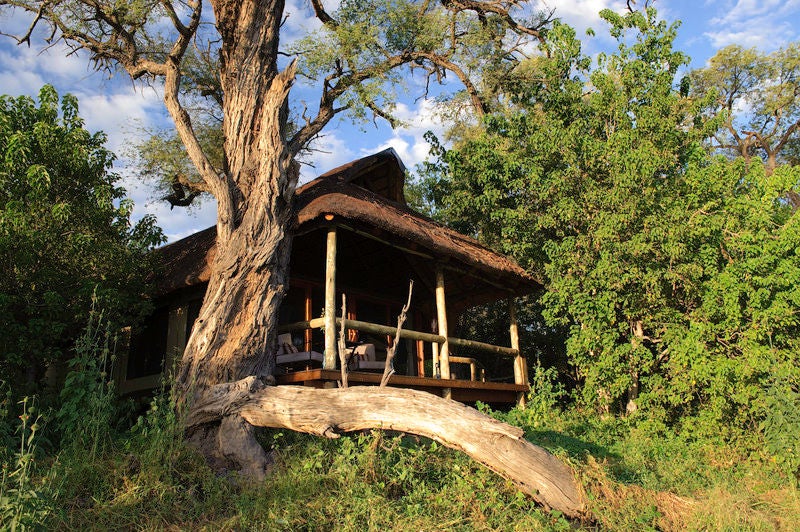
{"type": "Point", "coordinates": [374, 328]}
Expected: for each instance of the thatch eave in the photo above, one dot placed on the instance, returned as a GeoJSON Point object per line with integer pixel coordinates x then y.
{"type": "Point", "coordinates": [341, 193]}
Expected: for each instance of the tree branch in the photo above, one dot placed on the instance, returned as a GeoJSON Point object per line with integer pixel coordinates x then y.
{"type": "Point", "coordinates": [322, 15]}
{"type": "Point", "coordinates": [502, 9]}
{"type": "Point", "coordinates": [388, 368]}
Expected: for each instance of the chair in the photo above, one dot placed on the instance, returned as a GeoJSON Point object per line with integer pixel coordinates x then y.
{"type": "Point", "coordinates": [363, 357]}
{"type": "Point", "coordinates": [290, 359]}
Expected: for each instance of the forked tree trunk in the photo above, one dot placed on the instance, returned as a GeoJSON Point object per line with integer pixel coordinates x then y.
{"type": "Point", "coordinates": [232, 336]}
{"type": "Point", "coordinates": [234, 332]}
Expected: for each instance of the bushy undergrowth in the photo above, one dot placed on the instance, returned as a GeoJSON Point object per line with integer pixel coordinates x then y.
{"type": "Point", "coordinates": [635, 477]}
{"type": "Point", "coordinates": [638, 474]}
{"type": "Point", "coordinates": [24, 499]}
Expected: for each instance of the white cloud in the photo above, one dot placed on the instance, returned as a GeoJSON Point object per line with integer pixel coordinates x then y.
{"type": "Point", "coordinates": [408, 140]}
{"type": "Point", "coordinates": [327, 152]}
{"type": "Point", "coordinates": [300, 19]}
{"type": "Point", "coordinates": [765, 24]}
{"type": "Point", "coordinates": [582, 14]}
{"type": "Point", "coordinates": [119, 113]}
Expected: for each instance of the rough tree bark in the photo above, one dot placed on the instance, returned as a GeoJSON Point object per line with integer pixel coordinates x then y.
{"type": "Point", "coordinates": [232, 335]}
{"type": "Point", "coordinates": [500, 447]}
{"type": "Point", "coordinates": [254, 201]}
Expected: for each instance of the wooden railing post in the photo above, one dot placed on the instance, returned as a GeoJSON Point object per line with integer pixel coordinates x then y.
{"type": "Point", "coordinates": [330, 301]}
{"type": "Point", "coordinates": [441, 318]}
{"type": "Point", "coordinates": [520, 364]}
{"type": "Point", "coordinates": [420, 358]}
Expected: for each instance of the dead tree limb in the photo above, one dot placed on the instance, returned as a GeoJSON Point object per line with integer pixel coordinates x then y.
{"type": "Point", "coordinates": [331, 412]}
{"type": "Point", "coordinates": [388, 368]}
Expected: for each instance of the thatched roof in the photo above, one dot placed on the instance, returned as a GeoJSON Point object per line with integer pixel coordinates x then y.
{"type": "Point", "coordinates": [345, 193]}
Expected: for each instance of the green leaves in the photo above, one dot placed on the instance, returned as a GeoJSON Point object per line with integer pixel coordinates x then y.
{"type": "Point", "coordinates": [676, 272]}
{"type": "Point", "coordinates": [65, 231]}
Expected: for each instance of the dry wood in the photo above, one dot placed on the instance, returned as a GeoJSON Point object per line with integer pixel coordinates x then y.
{"type": "Point", "coordinates": [388, 368]}
{"type": "Point", "coordinates": [330, 412]}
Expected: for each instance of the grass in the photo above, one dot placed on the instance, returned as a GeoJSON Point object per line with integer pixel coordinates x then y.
{"type": "Point", "coordinates": [363, 482]}
{"type": "Point", "coordinates": [635, 478]}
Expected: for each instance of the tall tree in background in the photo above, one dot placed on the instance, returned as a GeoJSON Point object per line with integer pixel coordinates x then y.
{"type": "Point", "coordinates": [759, 95]}
{"type": "Point", "coordinates": [65, 234]}
{"type": "Point", "coordinates": [359, 50]}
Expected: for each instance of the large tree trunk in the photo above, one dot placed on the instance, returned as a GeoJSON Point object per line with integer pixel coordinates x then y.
{"type": "Point", "coordinates": [234, 333]}
{"type": "Point", "coordinates": [500, 447]}
{"type": "Point", "coordinates": [231, 337]}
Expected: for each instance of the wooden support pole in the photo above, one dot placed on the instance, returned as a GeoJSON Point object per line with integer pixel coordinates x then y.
{"type": "Point", "coordinates": [411, 358]}
{"type": "Point", "coordinates": [441, 318]}
{"type": "Point", "coordinates": [520, 364]}
{"type": "Point", "coordinates": [330, 301]}
{"type": "Point", "coordinates": [436, 372]}
{"type": "Point", "coordinates": [420, 358]}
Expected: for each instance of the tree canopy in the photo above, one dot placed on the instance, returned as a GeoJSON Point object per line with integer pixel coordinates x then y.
{"type": "Point", "coordinates": [758, 96]}
{"type": "Point", "coordinates": [66, 235]}
{"type": "Point", "coordinates": [675, 270]}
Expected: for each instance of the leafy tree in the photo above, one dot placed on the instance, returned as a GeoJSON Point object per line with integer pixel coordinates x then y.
{"type": "Point", "coordinates": [576, 185]}
{"type": "Point", "coordinates": [738, 345]}
{"type": "Point", "coordinates": [760, 96]}
{"type": "Point", "coordinates": [358, 52]}
{"type": "Point", "coordinates": [65, 233]}
{"type": "Point", "coordinates": [675, 271]}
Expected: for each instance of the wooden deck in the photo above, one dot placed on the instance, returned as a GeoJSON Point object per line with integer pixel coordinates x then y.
{"type": "Point", "coordinates": [461, 390]}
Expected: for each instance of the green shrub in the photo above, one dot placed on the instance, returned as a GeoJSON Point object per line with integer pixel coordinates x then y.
{"type": "Point", "coordinates": [88, 401]}
{"type": "Point", "coordinates": [781, 428]}
{"type": "Point", "coordinates": [24, 503]}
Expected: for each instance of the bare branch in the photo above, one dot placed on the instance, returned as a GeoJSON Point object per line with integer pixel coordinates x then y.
{"type": "Point", "coordinates": [176, 21]}
{"type": "Point", "coordinates": [322, 15]}
{"type": "Point", "coordinates": [787, 135]}
{"type": "Point", "coordinates": [393, 122]}
{"type": "Point", "coordinates": [27, 37]}
{"type": "Point", "coordinates": [388, 369]}
{"type": "Point", "coordinates": [500, 9]}
{"type": "Point", "coordinates": [474, 94]}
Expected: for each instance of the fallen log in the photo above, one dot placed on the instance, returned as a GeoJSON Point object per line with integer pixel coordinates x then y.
{"type": "Point", "coordinates": [330, 412]}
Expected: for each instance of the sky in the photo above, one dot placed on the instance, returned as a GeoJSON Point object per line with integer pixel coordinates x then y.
{"type": "Point", "coordinates": [122, 109]}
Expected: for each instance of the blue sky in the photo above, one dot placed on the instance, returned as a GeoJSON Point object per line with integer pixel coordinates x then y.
{"type": "Point", "coordinates": [115, 105]}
